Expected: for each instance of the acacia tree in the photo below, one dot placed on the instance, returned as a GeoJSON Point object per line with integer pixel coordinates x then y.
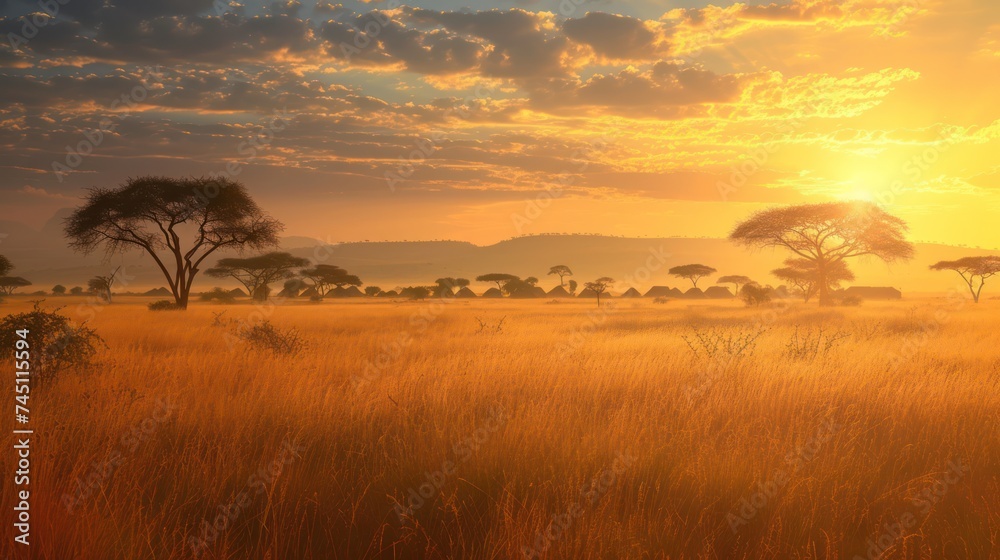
{"type": "Point", "coordinates": [572, 287]}
{"type": "Point", "coordinates": [499, 278]}
{"type": "Point", "coordinates": [5, 266]}
{"type": "Point", "coordinates": [58, 290]}
{"type": "Point", "coordinates": [444, 287]}
{"type": "Point", "coordinates": [323, 276]}
{"type": "Point", "coordinates": [826, 234]}
{"type": "Point", "coordinates": [561, 271]}
{"type": "Point", "coordinates": [372, 291]}
{"type": "Point", "coordinates": [10, 283]}
{"type": "Point", "coordinates": [600, 286]}
{"type": "Point", "coordinates": [803, 275]}
{"type": "Point", "coordinates": [736, 281]}
{"type": "Point", "coordinates": [971, 269]}
{"type": "Point", "coordinates": [257, 273]}
{"type": "Point", "coordinates": [156, 214]}
{"type": "Point", "coordinates": [692, 272]}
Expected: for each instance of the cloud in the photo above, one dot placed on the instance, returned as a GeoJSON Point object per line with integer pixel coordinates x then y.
{"type": "Point", "coordinates": [616, 37]}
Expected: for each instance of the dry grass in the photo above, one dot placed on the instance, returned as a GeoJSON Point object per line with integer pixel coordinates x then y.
{"type": "Point", "coordinates": [387, 392]}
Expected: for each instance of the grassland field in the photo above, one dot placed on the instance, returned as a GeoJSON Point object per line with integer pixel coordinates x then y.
{"type": "Point", "coordinates": [524, 429]}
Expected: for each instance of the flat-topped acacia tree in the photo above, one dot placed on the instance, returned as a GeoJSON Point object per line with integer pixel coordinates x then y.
{"type": "Point", "coordinates": [177, 222]}
{"type": "Point", "coordinates": [971, 269]}
{"type": "Point", "coordinates": [826, 234]}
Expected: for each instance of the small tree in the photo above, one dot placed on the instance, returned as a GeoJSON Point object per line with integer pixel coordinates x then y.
{"type": "Point", "coordinates": [499, 278]}
{"type": "Point", "coordinates": [257, 273]}
{"type": "Point", "coordinates": [154, 214]}
{"type": "Point", "coordinates": [58, 290]}
{"type": "Point", "coordinates": [531, 281]}
{"type": "Point", "coordinates": [76, 291]}
{"type": "Point", "coordinates": [323, 276]}
{"type": "Point", "coordinates": [972, 269]}
{"type": "Point", "coordinates": [572, 287]}
{"type": "Point", "coordinates": [600, 286]}
{"type": "Point", "coordinates": [373, 291]}
{"type": "Point", "coordinates": [804, 276]}
{"type": "Point", "coordinates": [736, 281]}
{"type": "Point", "coordinates": [561, 271]}
{"type": "Point", "coordinates": [692, 272]}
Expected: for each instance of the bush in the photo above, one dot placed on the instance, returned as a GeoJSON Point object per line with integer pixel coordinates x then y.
{"type": "Point", "coordinates": [163, 305]}
{"type": "Point", "coordinates": [265, 336]}
{"type": "Point", "coordinates": [55, 344]}
{"type": "Point", "coordinates": [851, 301]}
{"type": "Point", "coordinates": [753, 295]}
{"type": "Point", "coordinates": [219, 295]}
{"type": "Point", "coordinates": [661, 299]}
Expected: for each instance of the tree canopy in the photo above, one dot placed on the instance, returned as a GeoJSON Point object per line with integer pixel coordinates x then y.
{"type": "Point", "coordinates": [735, 280]}
{"type": "Point", "coordinates": [600, 286]}
{"type": "Point", "coordinates": [972, 269]}
{"type": "Point", "coordinates": [257, 273]}
{"type": "Point", "coordinates": [10, 283]}
{"type": "Point", "coordinates": [561, 271]}
{"type": "Point", "coordinates": [692, 272]}
{"type": "Point", "coordinates": [156, 214]}
{"type": "Point", "coordinates": [500, 279]}
{"type": "Point", "coordinates": [325, 275]}
{"type": "Point", "coordinates": [827, 233]}
{"type": "Point", "coordinates": [5, 266]}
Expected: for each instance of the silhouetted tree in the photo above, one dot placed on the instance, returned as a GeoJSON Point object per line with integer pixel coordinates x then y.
{"type": "Point", "coordinates": [531, 281]}
{"type": "Point", "coordinates": [600, 286]}
{"type": "Point", "coordinates": [76, 290]}
{"type": "Point", "coordinates": [499, 278]}
{"type": "Point", "coordinates": [373, 291]}
{"type": "Point", "coordinates": [804, 276]}
{"type": "Point", "coordinates": [154, 213]}
{"type": "Point", "coordinates": [971, 269]}
{"type": "Point", "coordinates": [692, 272]}
{"type": "Point", "coordinates": [736, 281]}
{"type": "Point", "coordinates": [5, 266]}
{"type": "Point", "coordinates": [10, 283]}
{"type": "Point", "coordinates": [415, 292]}
{"type": "Point", "coordinates": [826, 234]}
{"type": "Point", "coordinates": [257, 273]}
{"type": "Point", "coordinates": [101, 285]}
{"type": "Point", "coordinates": [572, 287]}
{"type": "Point", "coordinates": [325, 275]}
{"type": "Point", "coordinates": [58, 290]}
{"type": "Point", "coordinates": [562, 271]}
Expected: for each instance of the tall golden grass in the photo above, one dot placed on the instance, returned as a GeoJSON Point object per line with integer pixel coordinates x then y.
{"type": "Point", "coordinates": [605, 421]}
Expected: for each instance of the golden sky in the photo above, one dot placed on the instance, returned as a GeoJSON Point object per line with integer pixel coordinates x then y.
{"type": "Point", "coordinates": [435, 119]}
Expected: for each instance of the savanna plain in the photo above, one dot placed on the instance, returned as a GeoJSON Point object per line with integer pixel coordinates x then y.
{"type": "Point", "coordinates": [525, 429]}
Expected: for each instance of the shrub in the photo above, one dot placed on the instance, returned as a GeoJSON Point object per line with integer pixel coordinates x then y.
{"type": "Point", "coordinates": [724, 344]}
{"type": "Point", "coordinates": [265, 336]}
{"type": "Point", "coordinates": [163, 305]}
{"type": "Point", "coordinates": [851, 301]}
{"type": "Point", "coordinates": [55, 344]}
{"type": "Point", "coordinates": [661, 299]}
{"type": "Point", "coordinates": [809, 344]}
{"type": "Point", "coordinates": [753, 295]}
{"type": "Point", "coordinates": [218, 294]}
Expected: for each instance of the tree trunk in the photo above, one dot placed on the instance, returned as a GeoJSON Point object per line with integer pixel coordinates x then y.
{"type": "Point", "coordinates": [824, 285]}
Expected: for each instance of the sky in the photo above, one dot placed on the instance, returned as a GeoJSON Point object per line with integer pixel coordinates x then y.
{"type": "Point", "coordinates": [439, 119]}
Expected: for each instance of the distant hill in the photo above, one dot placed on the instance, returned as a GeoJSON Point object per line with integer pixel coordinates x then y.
{"type": "Point", "coordinates": [43, 257]}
